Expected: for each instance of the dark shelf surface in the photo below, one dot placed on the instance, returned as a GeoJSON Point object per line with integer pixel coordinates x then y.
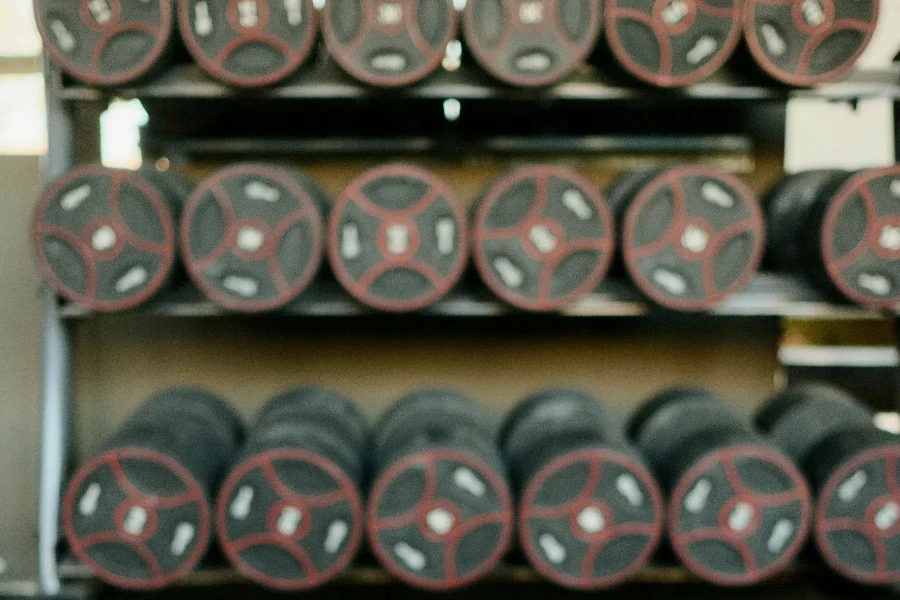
{"type": "Point", "coordinates": [324, 80]}
{"type": "Point", "coordinates": [769, 295]}
{"type": "Point", "coordinates": [373, 582]}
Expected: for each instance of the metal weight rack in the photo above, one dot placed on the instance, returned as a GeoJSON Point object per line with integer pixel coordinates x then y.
{"type": "Point", "coordinates": [771, 296]}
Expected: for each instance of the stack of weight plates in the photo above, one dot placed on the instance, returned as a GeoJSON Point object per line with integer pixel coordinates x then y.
{"type": "Point", "coordinates": [739, 509]}
{"type": "Point", "coordinates": [440, 514]}
{"type": "Point", "coordinates": [290, 513]}
{"type": "Point", "coordinates": [138, 513]}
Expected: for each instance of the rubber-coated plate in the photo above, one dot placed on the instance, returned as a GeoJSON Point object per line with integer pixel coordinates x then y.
{"type": "Point", "coordinates": [858, 517]}
{"type": "Point", "coordinates": [692, 237]}
{"type": "Point", "coordinates": [739, 515]}
{"type": "Point", "coordinates": [105, 42]}
{"type": "Point", "coordinates": [249, 43]}
{"type": "Point", "coordinates": [137, 518]}
{"type": "Point", "coordinates": [252, 236]}
{"type": "Point", "coordinates": [289, 519]}
{"type": "Point", "coordinates": [591, 518]}
{"type": "Point", "coordinates": [531, 43]}
{"type": "Point", "coordinates": [673, 42]}
{"type": "Point", "coordinates": [440, 519]}
{"type": "Point", "coordinates": [397, 238]}
{"type": "Point", "coordinates": [861, 238]}
{"type": "Point", "coordinates": [542, 237]}
{"type": "Point", "coordinates": [103, 238]}
{"type": "Point", "coordinates": [389, 43]}
{"type": "Point", "coordinates": [808, 42]}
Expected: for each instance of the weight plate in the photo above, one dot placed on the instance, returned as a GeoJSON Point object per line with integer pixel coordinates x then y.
{"type": "Point", "coordinates": [103, 238]}
{"type": "Point", "coordinates": [860, 238]}
{"type": "Point", "coordinates": [650, 407]}
{"type": "Point", "coordinates": [692, 237]}
{"type": "Point", "coordinates": [289, 518]}
{"type": "Point", "coordinates": [397, 238]}
{"type": "Point", "coordinates": [440, 519]}
{"type": "Point", "coordinates": [252, 236]}
{"type": "Point", "coordinates": [739, 515]}
{"type": "Point", "coordinates": [858, 517]}
{"type": "Point", "coordinates": [553, 415]}
{"type": "Point", "coordinates": [542, 237]}
{"type": "Point", "coordinates": [319, 407]}
{"type": "Point", "coordinates": [389, 43]}
{"type": "Point", "coordinates": [789, 206]}
{"type": "Point", "coordinates": [249, 43]}
{"type": "Point", "coordinates": [803, 416]}
{"type": "Point", "coordinates": [432, 409]}
{"type": "Point", "coordinates": [591, 518]}
{"type": "Point", "coordinates": [671, 43]}
{"type": "Point", "coordinates": [808, 42]}
{"type": "Point", "coordinates": [105, 42]}
{"type": "Point", "coordinates": [531, 43]}
{"type": "Point", "coordinates": [137, 518]}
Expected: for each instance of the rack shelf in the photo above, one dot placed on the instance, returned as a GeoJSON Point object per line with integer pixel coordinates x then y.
{"type": "Point", "coordinates": [769, 295]}
{"type": "Point", "coordinates": [324, 81]}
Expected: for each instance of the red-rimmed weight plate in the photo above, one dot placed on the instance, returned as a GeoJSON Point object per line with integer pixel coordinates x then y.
{"type": "Point", "coordinates": [249, 43]}
{"type": "Point", "coordinates": [397, 238]}
{"type": "Point", "coordinates": [532, 43]}
{"type": "Point", "coordinates": [692, 236]}
{"type": "Point", "coordinates": [671, 43]}
{"type": "Point", "coordinates": [860, 238]}
{"type": "Point", "coordinates": [105, 42]}
{"type": "Point", "coordinates": [105, 239]}
{"type": "Point", "coordinates": [137, 518]}
{"type": "Point", "coordinates": [808, 42]}
{"type": "Point", "coordinates": [858, 517]}
{"type": "Point", "coordinates": [440, 519]}
{"type": "Point", "coordinates": [739, 515]}
{"type": "Point", "coordinates": [591, 518]}
{"type": "Point", "coordinates": [289, 518]}
{"type": "Point", "coordinates": [543, 237]}
{"type": "Point", "coordinates": [389, 43]}
{"type": "Point", "coordinates": [252, 235]}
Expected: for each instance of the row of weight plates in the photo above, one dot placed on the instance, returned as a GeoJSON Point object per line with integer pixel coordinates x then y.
{"type": "Point", "coordinates": [251, 43]}
{"type": "Point", "coordinates": [435, 486]}
{"type": "Point", "coordinates": [397, 238]}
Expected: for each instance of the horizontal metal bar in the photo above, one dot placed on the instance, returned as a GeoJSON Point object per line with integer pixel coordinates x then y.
{"type": "Point", "coordinates": [769, 295]}
{"type": "Point", "coordinates": [839, 356]}
{"type": "Point", "coordinates": [324, 81]}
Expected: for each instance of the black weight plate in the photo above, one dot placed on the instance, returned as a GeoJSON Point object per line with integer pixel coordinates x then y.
{"type": "Point", "coordinates": [591, 518]}
{"type": "Point", "coordinates": [675, 42]}
{"type": "Point", "coordinates": [179, 403]}
{"type": "Point", "coordinates": [789, 206]}
{"type": "Point", "coordinates": [397, 238]}
{"type": "Point", "coordinates": [105, 42]}
{"type": "Point", "coordinates": [664, 433]}
{"type": "Point", "coordinates": [104, 238]}
{"type": "Point", "coordinates": [531, 43]}
{"type": "Point", "coordinates": [319, 407]}
{"type": "Point", "coordinates": [692, 237]}
{"type": "Point", "coordinates": [137, 518]}
{"type": "Point", "coordinates": [389, 43]}
{"type": "Point", "coordinates": [432, 409]}
{"type": "Point", "coordinates": [808, 42]}
{"type": "Point", "coordinates": [440, 518]}
{"type": "Point", "coordinates": [858, 517]}
{"type": "Point", "coordinates": [289, 518]}
{"type": "Point", "coordinates": [860, 238]}
{"type": "Point", "coordinates": [249, 43]}
{"type": "Point", "coordinates": [542, 237]}
{"type": "Point", "coordinates": [653, 405]}
{"type": "Point", "coordinates": [252, 236]}
{"type": "Point", "coordinates": [739, 515]}
{"type": "Point", "coordinates": [804, 415]}
{"type": "Point", "coordinates": [556, 414]}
